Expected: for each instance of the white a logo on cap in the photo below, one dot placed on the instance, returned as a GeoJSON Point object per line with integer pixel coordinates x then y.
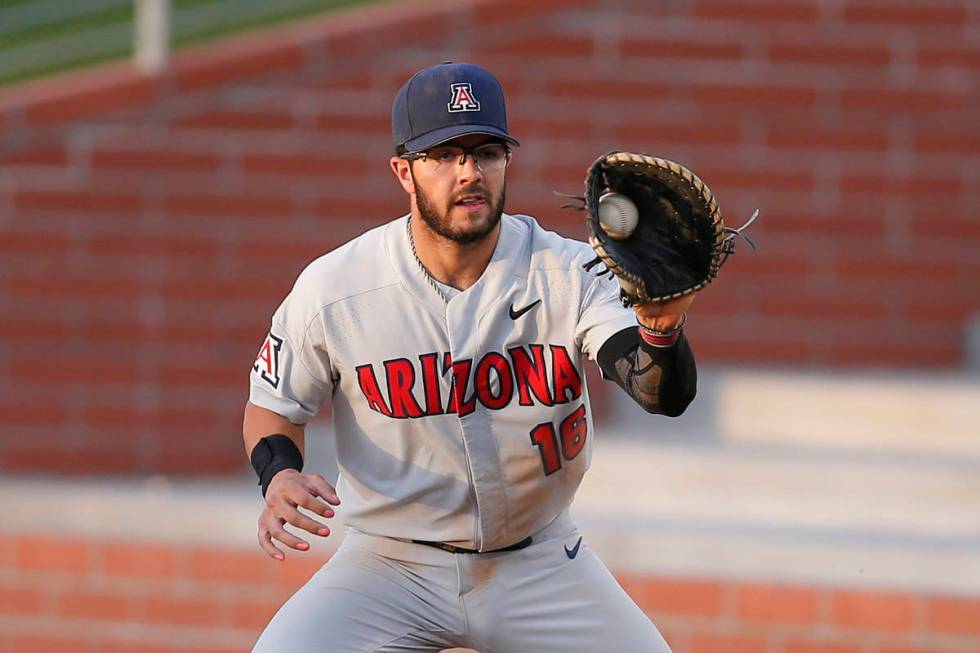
{"type": "Point", "coordinates": [463, 98]}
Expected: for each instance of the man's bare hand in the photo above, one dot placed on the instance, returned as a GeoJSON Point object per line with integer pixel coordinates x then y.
{"type": "Point", "coordinates": [289, 491]}
{"type": "Point", "coordinates": [663, 315]}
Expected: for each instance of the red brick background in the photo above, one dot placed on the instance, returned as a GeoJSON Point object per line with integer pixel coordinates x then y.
{"type": "Point", "coordinates": [89, 596]}
{"type": "Point", "coordinates": [150, 226]}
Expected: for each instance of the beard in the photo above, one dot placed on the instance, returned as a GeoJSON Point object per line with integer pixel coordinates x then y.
{"type": "Point", "coordinates": [466, 234]}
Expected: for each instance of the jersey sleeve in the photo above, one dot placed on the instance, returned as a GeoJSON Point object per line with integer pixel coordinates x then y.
{"type": "Point", "coordinates": [292, 375]}
{"type": "Point", "coordinates": [601, 315]}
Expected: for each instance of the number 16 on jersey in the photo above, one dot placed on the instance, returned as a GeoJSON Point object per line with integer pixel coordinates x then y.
{"type": "Point", "coordinates": [567, 442]}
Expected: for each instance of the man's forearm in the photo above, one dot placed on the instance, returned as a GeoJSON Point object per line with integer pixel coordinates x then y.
{"type": "Point", "coordinates": [260, 422]}
{"type": "Point", "coordinates": [272, 442]}
{"type": "Point", "coordinates": [661, 380]}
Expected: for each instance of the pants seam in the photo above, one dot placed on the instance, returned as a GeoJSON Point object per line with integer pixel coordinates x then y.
{"type": "Point", "coordinates": [460, 598]}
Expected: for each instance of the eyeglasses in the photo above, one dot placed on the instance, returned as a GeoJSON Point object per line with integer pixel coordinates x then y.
{"type": "Point", "coordinates": [489, 157]}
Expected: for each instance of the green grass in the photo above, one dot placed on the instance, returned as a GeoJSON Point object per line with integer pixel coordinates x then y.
{"type": "Point", "coordinates": [244, 23]}
{"type": "Point", "coordinates": [62, 28]}
{"type": "Point", "coordinates": [13, 3]}
{"type": "Point", "coordinates": [228, 23]}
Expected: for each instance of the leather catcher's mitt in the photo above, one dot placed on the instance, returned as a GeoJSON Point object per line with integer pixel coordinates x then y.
{"type": "Point", "coordinates": [680, 240]}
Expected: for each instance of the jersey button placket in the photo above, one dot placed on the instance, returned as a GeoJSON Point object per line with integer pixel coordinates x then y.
{"type": "Point", "coordinates": [459, 332]}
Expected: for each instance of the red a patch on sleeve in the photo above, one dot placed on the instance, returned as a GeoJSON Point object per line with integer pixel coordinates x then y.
{"type": "Point", "coordinates": [267, 362]}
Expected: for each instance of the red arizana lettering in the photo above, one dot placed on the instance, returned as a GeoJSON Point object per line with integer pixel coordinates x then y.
{"type": "Point", "coordinates": [534, 374]}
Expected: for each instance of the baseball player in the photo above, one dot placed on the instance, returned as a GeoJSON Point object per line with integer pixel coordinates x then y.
{"type": "Point", "coordinates": [450, 343]}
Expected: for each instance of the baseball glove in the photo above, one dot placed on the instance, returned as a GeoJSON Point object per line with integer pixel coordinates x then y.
{"type": "Point", "coordinates": [679, 242]}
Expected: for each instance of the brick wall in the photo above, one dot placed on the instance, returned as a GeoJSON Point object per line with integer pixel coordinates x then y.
{"type": "Point", "coordinates": [151, 225]}
{"type": "Point", "coordinates": [89, 596]}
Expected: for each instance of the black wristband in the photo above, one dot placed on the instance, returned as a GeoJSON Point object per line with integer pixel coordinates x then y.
{"type": "Point", "coordinates": [273, 454]}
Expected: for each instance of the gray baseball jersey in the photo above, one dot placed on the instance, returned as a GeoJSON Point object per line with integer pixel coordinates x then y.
{"type": "Point", "coordinates": [464, 422]}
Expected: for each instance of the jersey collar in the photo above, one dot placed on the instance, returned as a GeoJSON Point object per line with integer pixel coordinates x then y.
{"type": "Point", "coordinates": [491, 287]}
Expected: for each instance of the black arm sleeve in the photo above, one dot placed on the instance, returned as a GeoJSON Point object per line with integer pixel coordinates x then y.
{"type": "Point", "coordinates": [662, 380]}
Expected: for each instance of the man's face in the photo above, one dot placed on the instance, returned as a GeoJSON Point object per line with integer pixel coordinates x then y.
{"type": "Point", "coordinates": [462, 203]}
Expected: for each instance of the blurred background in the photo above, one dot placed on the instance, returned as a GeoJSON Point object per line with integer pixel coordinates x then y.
{"type": "Point", "coordinates": [167, 169]}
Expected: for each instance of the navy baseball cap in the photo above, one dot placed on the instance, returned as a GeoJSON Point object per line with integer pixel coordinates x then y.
{"type": "Point", "coordinates": [445, 101]}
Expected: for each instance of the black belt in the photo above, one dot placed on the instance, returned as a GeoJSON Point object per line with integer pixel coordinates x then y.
{"type": "Point", "coordinates": [523, 544]}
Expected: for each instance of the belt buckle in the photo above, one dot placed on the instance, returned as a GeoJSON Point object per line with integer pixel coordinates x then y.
{"type": "Point", "coordinates": [448, 548]}
{"type": "Point", "coordinates": [453, 549]}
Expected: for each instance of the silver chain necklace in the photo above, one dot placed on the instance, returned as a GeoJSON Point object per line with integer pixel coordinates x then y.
{"type": "Point", "coordinates": [425, 273]}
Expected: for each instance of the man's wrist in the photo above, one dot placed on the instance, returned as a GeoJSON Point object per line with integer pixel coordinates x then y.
{"type": "Point", "coordinates": [273, 454]}
{"type": "Point", "coordinates": [662, 336]}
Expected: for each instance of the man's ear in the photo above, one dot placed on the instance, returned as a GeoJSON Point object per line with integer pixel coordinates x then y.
{"type": "Point", "coordinates": [403, 172]}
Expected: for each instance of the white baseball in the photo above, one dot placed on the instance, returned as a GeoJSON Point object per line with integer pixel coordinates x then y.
{"type": "Point", "coordinates": [618, 215]}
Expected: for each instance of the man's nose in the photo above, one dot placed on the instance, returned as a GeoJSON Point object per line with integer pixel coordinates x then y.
{"type": "Point", "coordinates": [469, 169]}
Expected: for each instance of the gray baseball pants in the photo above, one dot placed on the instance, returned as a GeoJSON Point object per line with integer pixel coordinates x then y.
{"type": "Point", "coordinates": [379, 595]}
